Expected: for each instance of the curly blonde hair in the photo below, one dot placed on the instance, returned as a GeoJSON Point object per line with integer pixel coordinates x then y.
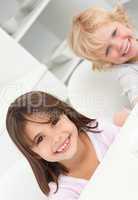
{"type": "Point", "coordinates": [82, 39]}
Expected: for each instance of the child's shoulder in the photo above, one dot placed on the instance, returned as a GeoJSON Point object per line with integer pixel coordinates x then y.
{"type": "Point", "coordinates": [127, 69]}
{"type": "Point", "coordinates": [64, 191]}
{"type": "Point", "coordinates": [108, 130]}
{"type": "Point", "coordinates": [106, 126]}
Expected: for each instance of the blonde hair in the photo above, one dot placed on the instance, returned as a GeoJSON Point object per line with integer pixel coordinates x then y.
{"type": "Point", "coordinates": [82, 39]}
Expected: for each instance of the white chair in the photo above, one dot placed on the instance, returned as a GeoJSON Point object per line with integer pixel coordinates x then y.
{"type": "Point", "coordinates": [99, 94]}
{"type": "Point", "coordinates": [116, 177]}
{"type": "Point", "coordinates": [94, 93]}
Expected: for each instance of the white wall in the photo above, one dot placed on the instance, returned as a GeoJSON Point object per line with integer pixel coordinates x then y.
{"type": "Point", "coordinates": [8, 9]}
{"type": "Point", "coordinates": [53, 26]}
{"type": "Point", "coordinates": [58, 15]}
{"type": "Point", "coordinates": [15, 61]}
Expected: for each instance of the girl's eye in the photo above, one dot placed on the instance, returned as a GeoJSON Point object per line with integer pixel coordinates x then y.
{"type": "Point", "coordinates": [40, 139]}
{"type": "Point", "coordinates": [114, 32]}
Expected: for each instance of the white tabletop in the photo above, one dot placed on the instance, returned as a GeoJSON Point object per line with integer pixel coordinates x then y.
{"type": "Point", "coordinates": [116, 177]}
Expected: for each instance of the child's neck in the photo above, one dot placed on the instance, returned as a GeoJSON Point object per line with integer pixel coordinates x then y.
{"type": "Point", "coordinates": [85, 160]}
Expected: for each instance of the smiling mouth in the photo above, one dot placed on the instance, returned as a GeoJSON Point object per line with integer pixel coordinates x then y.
{"type": "Point", "coordinates": [64, 146]}
{"type": "Point", "coordinates": [127, 48]}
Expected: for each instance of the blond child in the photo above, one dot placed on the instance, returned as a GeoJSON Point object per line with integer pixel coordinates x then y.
{"type": "Point", "coordinates": [107, 39]}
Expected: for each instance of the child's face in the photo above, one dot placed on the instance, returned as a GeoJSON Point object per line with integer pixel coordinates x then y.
{"type": "Point", "coordinates": [119, 43]}
{"type": "Point", "coordinates": [61, 137]}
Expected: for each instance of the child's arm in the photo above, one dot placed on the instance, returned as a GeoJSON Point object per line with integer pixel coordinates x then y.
{"type": "Point", "coordinates": [128, 78]}
{"type": "Point", "coordinates": [135, 101]}
{"type": "Point", "coordinates": [120, 117]}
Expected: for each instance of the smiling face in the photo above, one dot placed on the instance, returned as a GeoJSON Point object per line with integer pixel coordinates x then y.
{"type": "Point", "coordinates": [118, 43]}
{"type": "Point", "coordinates": [56, 142]}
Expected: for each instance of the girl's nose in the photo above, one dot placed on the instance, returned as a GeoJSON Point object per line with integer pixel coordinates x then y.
{"type": "Point", "coordinates": [57, 140]}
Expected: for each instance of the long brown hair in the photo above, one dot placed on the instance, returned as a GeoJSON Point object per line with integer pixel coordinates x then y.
{"type": "Point", "coordinates": [37, 102]}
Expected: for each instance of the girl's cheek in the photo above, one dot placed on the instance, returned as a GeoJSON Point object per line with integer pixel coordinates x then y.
{"type": "Point", "coordinates": [45, 155]}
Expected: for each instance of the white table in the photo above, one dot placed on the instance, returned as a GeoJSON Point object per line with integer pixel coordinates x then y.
{"type": "Point", "coordinates": [96, 94]}
{"type": "Point", "coordinates": [116, 178]}
{"type": "Point", "coordinates": [99, 94]}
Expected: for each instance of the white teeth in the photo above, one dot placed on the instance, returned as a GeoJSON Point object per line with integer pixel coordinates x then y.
{"type": "Point", "coordinates": [63, 146]}
{"type": "Point", "coordinates": [126, 50]}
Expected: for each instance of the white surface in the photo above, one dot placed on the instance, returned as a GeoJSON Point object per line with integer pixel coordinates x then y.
{"type": "Point", "coordinates": [20, 183]}
{"type": "Point", "coordinates": [131, 8]}
{"type": "Point", "coordinates": [63, 61]}
{"type": "Point", "coordinates": [40, 47]}
{"type": "Point", "coordinates": [7, 9]}
{"type": "Point", "coordinates": [43, 49]}
{"type": "Point", "coordinates": [50, 84]}
{"type": "Point", "coordinates": [38, 79]}
{"type": "Point", "coordinates": [20, 72]}
{"type": "Point", "coordinates": [114, 2]}
{"type": "Point", "coordinates": [117, 176]}
{"type": "Point", "coordinates": [59, 13]}
{"type": "Point", "coordinates": [8, 154]}
{"type": "Point", "coordinates": [29, 20]}
{"type": "Point", "coordinates": [63, 71]}
{"type": "Point", "coordinates": [15, 61]}
{"type": "Point", "coordinates": [94, 93]}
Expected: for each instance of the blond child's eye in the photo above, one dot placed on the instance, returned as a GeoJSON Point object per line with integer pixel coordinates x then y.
{"type": "Point", "coordinates": [108, 50]}
{"type": "Point", "coordinates": [114, 32]}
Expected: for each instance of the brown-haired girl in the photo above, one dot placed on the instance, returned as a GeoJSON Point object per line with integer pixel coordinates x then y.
{"type": "Point", "coordinates": [62, 146]}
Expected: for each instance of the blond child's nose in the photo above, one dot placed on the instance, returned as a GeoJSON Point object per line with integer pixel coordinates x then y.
{"type": "Point", "coordinates": [116, 43]}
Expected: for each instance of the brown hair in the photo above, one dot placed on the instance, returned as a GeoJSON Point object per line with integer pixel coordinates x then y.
{"type": "Point", "coordinates": [38, 102]}
{"type": "Point", "coordinates": [82, 39]}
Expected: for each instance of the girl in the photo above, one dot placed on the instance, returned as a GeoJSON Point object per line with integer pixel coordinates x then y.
{"type": "Point", "coordinates": [62, 146]}
{"type": "Point", "coordinates": [107, 39]}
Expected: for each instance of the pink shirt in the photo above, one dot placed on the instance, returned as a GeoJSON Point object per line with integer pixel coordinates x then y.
{"type": "Point", "coordinates": [71, 187]}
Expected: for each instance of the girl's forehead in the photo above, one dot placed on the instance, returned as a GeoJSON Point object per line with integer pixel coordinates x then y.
{"type": "Point", "coordinates": [38, 117]}
{"type": "Point", "coordinates": [35, 123]}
